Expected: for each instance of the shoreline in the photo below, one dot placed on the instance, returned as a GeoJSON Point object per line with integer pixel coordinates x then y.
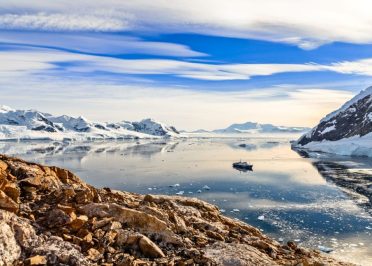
{"type": "Point", "coordinates": [50, 215]}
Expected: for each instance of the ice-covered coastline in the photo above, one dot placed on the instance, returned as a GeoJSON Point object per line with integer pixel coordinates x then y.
{"type": "Point", "coordinates": [19, 125]}
{"type": "Point", "coordinates": [353, 146]}
{"type": "Point", "coordinates": [346, 131]}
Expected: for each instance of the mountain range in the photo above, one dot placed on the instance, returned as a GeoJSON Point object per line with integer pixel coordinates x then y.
{"type": "Point", "coordinates": [253, 127]}
{"type": "Point", "coordinates": [32, 124]}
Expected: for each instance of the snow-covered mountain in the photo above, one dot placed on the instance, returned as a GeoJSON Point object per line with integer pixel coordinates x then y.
{"type": "Point", "coordinates": [32, 124]}
{"type": "Point", "coordinates": [252, 127]}
{"type": "Point", "coordinates": [346, 131]}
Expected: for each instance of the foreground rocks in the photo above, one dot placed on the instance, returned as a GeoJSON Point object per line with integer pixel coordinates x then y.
{"type": "Point", "coordinates": [48, 216]}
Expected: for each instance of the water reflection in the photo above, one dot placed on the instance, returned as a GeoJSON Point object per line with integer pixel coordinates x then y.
{"type": "Point", "coordinates": [287, 196]}
{"type": "Point", "coordinates": [353, 175]}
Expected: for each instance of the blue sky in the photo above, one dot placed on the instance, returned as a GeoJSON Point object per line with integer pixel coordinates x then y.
{"type": "Point", "coordinates": [206, 64]}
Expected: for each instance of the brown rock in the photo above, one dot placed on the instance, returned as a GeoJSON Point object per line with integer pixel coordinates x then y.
{"type": "Point", "coordinates": [215, 235]}
{"type": "Point", "coordinates": [121, 214]}
{"type": "Point", "coordinates": [7, 203]}
{"type": "Point", "coordinates": [79, 222]}
{"type": "Point", "coordinates": [101, 223]}
{"type": "Point", "coordinates": [94, 254]}
{"type": "Point", "coordinates": [36, 260]}
{"type": "Point", "coordinates": [99, 233]}
{"type": "Point", "coordinates": [65, 208]}
{"type": "Point", "coordinates": [88, 238]}
{"type": "Point", "coordinates": [291, 245]}
{"type": "Point", "coordinates": [57, 218]}
{"type": "Point", "coordinates": [113, 225]}
{"type": "Point", "coordinates": [110, 237]}
{"type": "Point", "coordinates": [149, 248]}
{"type": "Point", "coordinates": [84, 196]}
{"type": "Point", "coordinates": [3, 165]}
{"type": "Point", "coordinates": [12, 191]}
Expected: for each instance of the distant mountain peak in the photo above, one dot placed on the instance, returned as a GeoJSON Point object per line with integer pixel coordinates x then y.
{"type": "Point", "coordinates": [32, 124]}
{"type": "Point", "coordinates": [254, 127]}
{"type": "Point", "coordinates": [5, 109]}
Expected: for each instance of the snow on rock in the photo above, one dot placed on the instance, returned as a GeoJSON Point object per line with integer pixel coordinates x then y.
{"type": "Point", "coordinates": [252, 127]}
{"type": "Point", "coordinates": [346, 131]}
{"type": "Point", "coordinates": [35, 125]}
{"type": "Point", "coordinates": [151, 127]}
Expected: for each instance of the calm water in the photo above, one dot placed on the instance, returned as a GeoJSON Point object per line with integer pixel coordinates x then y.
{"type": "Point", "coordinates": [284, 196]}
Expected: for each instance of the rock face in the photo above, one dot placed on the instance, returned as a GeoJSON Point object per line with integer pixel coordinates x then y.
{"type": "Point", "coordinates": [346, 131]}
{"type": "Point", "coordinates": [49, 216]}
{"type": "Point", "coordinates": [32, 124]}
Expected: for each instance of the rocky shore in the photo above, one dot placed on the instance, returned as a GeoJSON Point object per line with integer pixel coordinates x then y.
{"type": "Point", "coordinates": [48, 216]}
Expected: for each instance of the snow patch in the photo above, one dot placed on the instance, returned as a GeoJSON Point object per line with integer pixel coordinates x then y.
{"type": "Point", "coordinates": [328, 129]}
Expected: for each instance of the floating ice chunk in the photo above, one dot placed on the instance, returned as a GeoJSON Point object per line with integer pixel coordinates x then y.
{"type": "Point", "coordinates": [261, 217]}
{"type": "Point", "coordinates": [150, 188]}
{"type": "Point", "coordinates": [236, 210]}
{"type": "Point", "coordinates": [175, 185]}
{"type": "Point", "coordinates": [325, 249]}
{"type": "Point", "coordinates": [206, 187]}
{"type": "Point", "coordinates": [180, 192]}
{"type": "Point", "coordinates": [280, 239]}
{"type": "Point", "coordinates": [190, 192]}
{"type": "Point", "coordinates": [222, 210]}
{"type": "Point", "coordinates": [199, 191]}
{"type": "Point", "coordinates": [297, 240]}
{"type": "Point", "coordinates": [368, 228]}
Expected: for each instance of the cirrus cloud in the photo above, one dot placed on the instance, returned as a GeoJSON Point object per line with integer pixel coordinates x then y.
{"type": "Point", "coordinates": [304, 23]}
{"type": "Point", "coordinates": [50, 62]}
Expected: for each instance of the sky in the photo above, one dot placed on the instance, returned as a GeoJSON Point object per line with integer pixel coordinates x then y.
{"type": "Point", "coordinates": [193, 64]}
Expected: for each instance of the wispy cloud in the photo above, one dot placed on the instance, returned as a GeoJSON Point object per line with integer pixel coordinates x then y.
{"type": "Point", "coordinates": [34, 61]}
{"type": "Point", "coordinates": [306, 24]}
{"type": "Point", "coordinates": [63, 22]}
{"type": "Point", "coordinates": [96, 43]}
{"type": "Point", "coordinates": [185, 108]}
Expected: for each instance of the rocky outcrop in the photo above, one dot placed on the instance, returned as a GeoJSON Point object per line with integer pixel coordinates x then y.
{"type": "Point", "coordinates": [354, 118]}
{"type": "Point", "coordinates": [49, 216]}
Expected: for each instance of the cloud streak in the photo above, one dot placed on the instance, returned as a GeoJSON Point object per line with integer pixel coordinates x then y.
{"type": "Point", "coordinates": [185, 108]}
{"type": "Point", "coordinates": [35, 61]}
{"type": "Point", "coordinates": [96, 43]}
{"type": "Point", "coordinates": [304, 23]}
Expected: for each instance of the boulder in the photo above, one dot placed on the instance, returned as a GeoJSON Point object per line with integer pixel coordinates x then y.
{"type": "Point", "coordinates": [36, 260]}
{"type": "Point", "coordinates": [149, 248]}
{"type": "Point", "coordinates": [6, 203]}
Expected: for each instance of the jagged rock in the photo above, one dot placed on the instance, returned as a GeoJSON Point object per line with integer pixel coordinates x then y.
{"type": "Point", "coordinates": [94, 254]}
{"type": "Point", "coordinates": [57, 251]}
{"type": "Point", "coordinates": [7, 203]}
{"type": "Point", "coordinates": [237, 255]}
{"type": "Point", "coordinates": [149, 248]}
{"type": "Point", "coordinates": [77, 224]}
{"type": "Point", "coordinates": [10, 251]}
{"type": "Point", "coordinates": [57, 218]}
{"type": "Point", "coordinates": [125, 215]}
{"type": "Point", "coordinates": [36, 260]}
